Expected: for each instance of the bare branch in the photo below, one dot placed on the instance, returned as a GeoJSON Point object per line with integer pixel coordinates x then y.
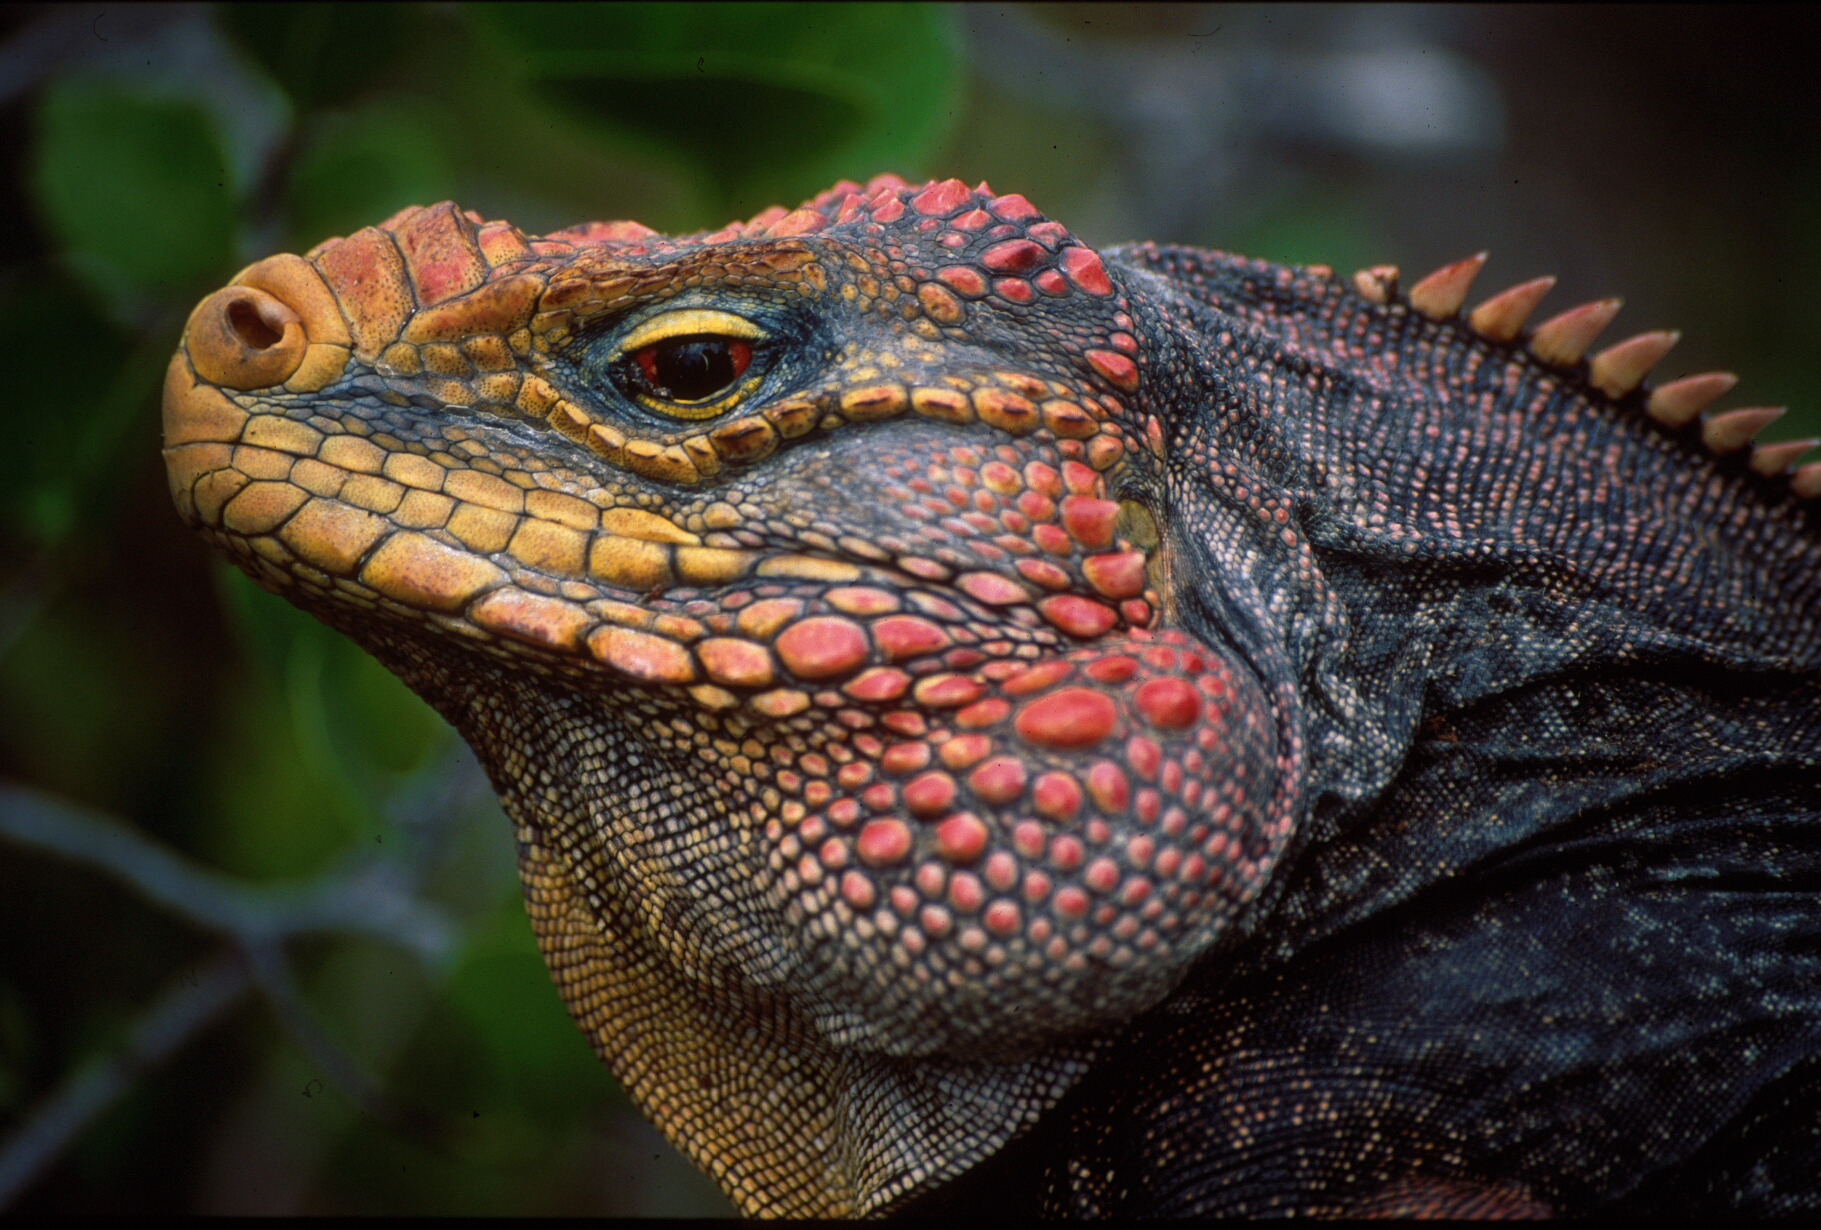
{"type": "Point", "coordinates": [366, 899]}
{"type": "Point", "coordinates": [182, 1011]}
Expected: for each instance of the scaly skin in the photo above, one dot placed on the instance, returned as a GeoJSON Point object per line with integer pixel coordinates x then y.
{"type": "Point", "coordinates": [912, 647]}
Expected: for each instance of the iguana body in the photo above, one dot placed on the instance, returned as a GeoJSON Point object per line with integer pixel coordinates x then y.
{"type": "Point", "coordinates": [1329, 754]}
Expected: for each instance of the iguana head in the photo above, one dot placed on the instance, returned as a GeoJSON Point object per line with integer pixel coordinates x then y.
{"type": "Point", "coordinates": [800, 585]}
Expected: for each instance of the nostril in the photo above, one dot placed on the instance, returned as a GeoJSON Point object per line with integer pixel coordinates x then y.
{"type": "Point", "coordinates": [243, 338]}
{"type": "Point", "coordinates": [251, 328]}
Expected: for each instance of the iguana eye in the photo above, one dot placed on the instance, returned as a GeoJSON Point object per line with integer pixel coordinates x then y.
{"type": "Point", "coordinates": [693, 368]}
{"type": "Point", "coordinates": [693, 363]}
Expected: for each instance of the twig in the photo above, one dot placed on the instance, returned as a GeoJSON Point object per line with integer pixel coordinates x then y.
{"type": "Point", "coordinates": [183, 1010]}
{"type": "Point", "coordinates": [365, 899]}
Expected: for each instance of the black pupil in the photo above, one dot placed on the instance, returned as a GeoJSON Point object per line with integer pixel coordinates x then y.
{"type": "Point", "coordinates": [691, 368]}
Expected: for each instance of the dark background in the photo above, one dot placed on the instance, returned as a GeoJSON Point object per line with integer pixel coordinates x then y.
{"type": "Point", "coordinates": [261, 949]}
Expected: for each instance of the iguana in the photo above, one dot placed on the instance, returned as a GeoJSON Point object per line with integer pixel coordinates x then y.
{"type": "Point", "coordinates": [1221, 736]}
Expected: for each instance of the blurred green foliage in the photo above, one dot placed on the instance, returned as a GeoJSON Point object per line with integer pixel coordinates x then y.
{"type": "Point", "coordinates": [251, 737]}
{"type": "Point", "coordinates": [134, 188]}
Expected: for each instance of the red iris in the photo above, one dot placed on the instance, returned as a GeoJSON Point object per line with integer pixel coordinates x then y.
{"type": "Point", "coordinates": [693, 367]}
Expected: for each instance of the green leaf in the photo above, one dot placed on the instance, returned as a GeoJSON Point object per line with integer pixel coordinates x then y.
{"type": "Point", "coordinates": [134, 187]}
{"type": "Point", "coordinates": [771, 101]}
{"type": "Point", "coordinates": [73, 456]}
{"type": "Point", "coordinates": [318, 738]}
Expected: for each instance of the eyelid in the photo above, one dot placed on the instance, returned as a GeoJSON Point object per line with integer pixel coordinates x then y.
{"type": "Point", "coordinates": [687, 321]}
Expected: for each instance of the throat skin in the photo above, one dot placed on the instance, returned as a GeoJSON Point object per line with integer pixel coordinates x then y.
{"type": "Point", "coordinates": [718, 1057]}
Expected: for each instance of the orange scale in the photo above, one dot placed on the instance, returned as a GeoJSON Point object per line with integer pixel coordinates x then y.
{"type": "Point", "coordinates": [1066, 852]}
{"type": "Point", "coordinates": [931, 879]}
{"type": "Point", "coordinates": [991, 588]}
{"type": "Point", "coordinates": [1036, 506]}
{"type": "Point", "coordinates": [1029, 838]}
{"type": "Point", "coordinates": [1052, 539]}
{"type": "Point", "coordinates": [1138, 851]}
{"type": "Point", "coordinates": [858, 891]}
{"type": "Point", "coordinates": [1079, 617]}
{"type": "Point", "coordinates": [1014, 290]}
{"type": "Point", "coordinates": [1068, 718]}
{"type": "Point", "coordinates": [1115, 669]}
{"type": "Point", "coordinates": [1090, 521]}
{"type": "Point", "coordinates": [817, 794]}
{"type": "Point", "coordinates": [1038, 678]}
{"type": "Point", "coordinates": [862, 600]}
{"type": "Point", "coordinates": [905, 758]}
{"type": "Point", "coordinates": [999, 781]}
{"type": "Point", "coordinates": [904, 722]}
{"type": "Point", "coordinates": [964, 750]}
{"type": "Point", "coordinates": [948, 691]}
{"type": "Point", "coordinates": [907, 636]}
{"type": "Point", "coordinates": [930, 795]}
{"type": "Point", "coordinates": [1119, 576]}
{"type": "Point", "coordinates": [935, 921]}
{"type": "Point", "coordinates": [883, 843]}
{"type": "Point", "coordinates": [823, 646]}
{"type": "Point", "coordinates": [1108, 787]}
{"type": "Point", "coordinates": [1003, 918]}
{"type": "Point", "coordinates": [981, 714]}
{"type": "Point", "coordinates": [1001, 871]}
{"type": "Point", "coordinates": [961, 838]}
{"type": "Point", "coordinates": [1142, 754]}
{"type": "Point", "coordinates": [1043, 573]}
{"type": "Point", "coordinates": [1056, 796]}
{"type": "Point", "coordinates": [877, 684]}
{"type": "Point", "coordinates": [1041, 477]}
{"type": "Point", "coordinates": [1170, 704]}
{"type": "Point", "coordinates": [965, 892]}
{"type": "Point", "coordinates": [1079, 479]}
{"type": "Point", "coordinates": [1000, 478]}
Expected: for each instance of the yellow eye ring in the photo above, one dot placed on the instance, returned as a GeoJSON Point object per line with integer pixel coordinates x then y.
{"type": "Point", "coordinates": [691, 361]}
{"type": "Point", "coordinates": [685, 321]}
